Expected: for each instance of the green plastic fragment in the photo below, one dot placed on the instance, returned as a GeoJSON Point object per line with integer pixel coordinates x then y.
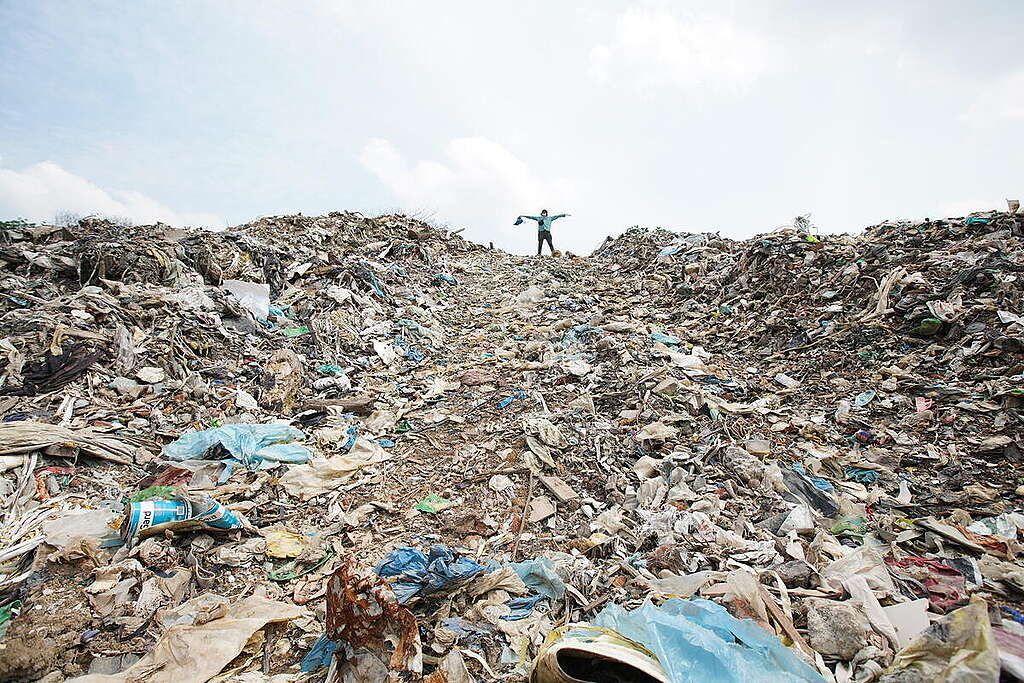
{"type": "Point", "coordinates": [928, 327]}
{"type": "Point", "coordinates": [852, 526]}
{"type": "Point", "coordinates": [155, 493]}
{"type": "Point", "coordinates": [289, 571]}
{"type": "Point", "coordinates": [295, 331]}
{"type": "Point", "coordinates": [434, 503]}
{"type": "Point", "coordinates": [6, 614]}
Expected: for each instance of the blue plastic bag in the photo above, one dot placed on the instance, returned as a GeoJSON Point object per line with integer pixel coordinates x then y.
{"type": "Point", "coordinates": [539, 575]}
{"type": "Point", "coordinates": [413, 354]}
{"type": "Point", "coordinates": [668, 339]}
{"type": "Point", "coordinates": [522, 607]}
{"type": "Point", "coordinates": [444, 277]}
{"type": "Point", "coordinates": [698, 640]}
{"type": "Point", "coordinates": [418, 574]}
{"type": "Point", "coordinates": [319, 655]}
{"type": "Point", "coordinates": [257, 446]}
{"type": "Point", "coordinates": [861, 474]}
{"type": "Point", "coordinates": [351, 435]}
{"type": "Point", "coordinates": [819, 483]}
{"type": "Point", "coordinates": [507, 401]}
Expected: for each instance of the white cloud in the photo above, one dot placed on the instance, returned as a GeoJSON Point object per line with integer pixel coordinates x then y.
{"type": "Point", "coordinates": [41, 190]}
{"type": "Point", "coordinates": [998, 101]}
{"type": "Point", "coordinates": [480, 184]}
{"type": "Point", "coordinates": [654, 47]}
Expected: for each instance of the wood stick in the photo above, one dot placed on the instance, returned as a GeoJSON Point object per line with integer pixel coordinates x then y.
{"type": "Point", "coordinates": [523, 518]}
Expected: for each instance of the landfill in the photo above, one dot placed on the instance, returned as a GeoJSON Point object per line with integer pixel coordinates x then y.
{"type": "Point", "coordinates": [344, 448]}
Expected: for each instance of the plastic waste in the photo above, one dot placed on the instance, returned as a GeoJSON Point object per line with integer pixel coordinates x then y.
{"type": "Point", "coordinates": [254, 296]}
{"type": "Point", "coordinates": [434, 503]}
{"type": "Point", "coordinates": [7, 612]}
{"type": "Point", "coordinates": [667, 339]}
{"type": "Point", "coordinates": [321, 475]}
{"type": "Point", "coordinates": [804, 490]}
{"type": "Point", "coordinates": [522, 607]}
{"type": "Point", "coordinates": [539, 575]}
{"type": "Point", "coordinates": [819, 483]}
{"type": "Point", "coordinates": [529, 296]}
{"type": "Point", "coordinates": [413, 354]}
{"type": "Point", "coordinates": [415, 574]}
{"type": "Point", "coordinates": [76, 525]}
{"type": "Point", "coordinates": [698, 640]}
{"type": "Point", "coordinates": [1011, 652]}
{"type": "Point", "coordinates": [851, 526]}
{"type": "Point", "coordinates": [958, 647]}
{"type": "Point", "coordinates": [258, 446]}
{"type": "Point", "coordinates": [862, 475]}
{"type": "Point", "coordinates": [443, 277]}
{"type": "Point", "coordinates": [864, 436]}
{"type": "Point", "coordinates": [656, 431]}
{"type": "Point", "coordinates": [319, 655]}
{"type": "Point", "coordinates": [866, 561]}
{"type": "Point", "coordinates": [927, 327]}
{"type": "Point", "coordinates": [800, 520]}
{"type": "Point", "coordinates": [1003, 526]}
{"type": "Point", "coordinates": [864, 398]}
{"type": "Point", "coordinates": [282, 543]}
{"type": "Point", "coordinates": [945, 585]}
{"type": "Point", "coordinates": [515, 396]}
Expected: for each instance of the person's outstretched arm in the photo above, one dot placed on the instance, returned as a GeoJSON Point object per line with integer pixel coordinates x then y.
{"type": "Point", "coordinates": [532, 218]}
{"type": "Point", "coordinates": [561, 215]}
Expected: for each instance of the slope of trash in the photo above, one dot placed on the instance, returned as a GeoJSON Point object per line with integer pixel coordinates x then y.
{"type": "Point", "coordinates": [361, 449]}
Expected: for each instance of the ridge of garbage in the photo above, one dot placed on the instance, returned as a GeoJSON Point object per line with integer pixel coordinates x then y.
{"type": "Point", "coordinates": [362, 449]}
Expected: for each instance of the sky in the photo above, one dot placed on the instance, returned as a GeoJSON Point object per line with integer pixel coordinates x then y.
{"type": "Point", "coordinates": [720, 116]}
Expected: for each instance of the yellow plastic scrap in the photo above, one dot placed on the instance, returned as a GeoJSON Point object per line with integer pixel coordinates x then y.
{"type": "Point", "coordinates": [282, 543]}
{"type": "Point", "coordinates": [958, 647]}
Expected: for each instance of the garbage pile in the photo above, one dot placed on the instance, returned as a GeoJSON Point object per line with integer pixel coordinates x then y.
{"type": "Point", "coordinates": [359, 449]}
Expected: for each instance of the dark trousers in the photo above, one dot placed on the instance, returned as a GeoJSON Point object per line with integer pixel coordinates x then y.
{"type": "Point", "coordinates": [544, 236]}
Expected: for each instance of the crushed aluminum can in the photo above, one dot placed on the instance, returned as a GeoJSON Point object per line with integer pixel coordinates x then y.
{"type": "Point", "coordinates": [216, 515]}
{"type": "Point", "coordinates": [149, 513]}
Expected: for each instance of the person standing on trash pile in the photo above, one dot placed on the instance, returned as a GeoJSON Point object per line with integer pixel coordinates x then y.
{"type": "Point", "coordinates": [543, 228]}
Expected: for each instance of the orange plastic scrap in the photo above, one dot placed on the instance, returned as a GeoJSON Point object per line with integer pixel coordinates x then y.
{"type": "Point", "coordinates": [362, 610]}
{"type": "Point", "coordinates": [993, 544]}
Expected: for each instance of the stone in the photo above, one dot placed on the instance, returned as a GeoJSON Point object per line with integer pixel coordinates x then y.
{"type": "Point", "coordinates": [836, 629]}
{"type": "Point", "coordinates": [795, 573]}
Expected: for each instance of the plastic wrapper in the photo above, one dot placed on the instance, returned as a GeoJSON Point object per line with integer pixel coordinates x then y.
{"type": "Point", "coordinates": [413, 573]}
{"type": "Point", "coordinates": [254, 296]}
{"type": "Point", "coordinates": [255, 445]}
{"type": "Point", "coordinates": [539, 575]}
{"type": "Point", "coordinates": [866, 561]}
{"type": "Point", "coordinates": [321, 475]}
{"type": "Point", "coordinates": [958, 648]}
{"type": "Point", "coordinates": [1003, 527]}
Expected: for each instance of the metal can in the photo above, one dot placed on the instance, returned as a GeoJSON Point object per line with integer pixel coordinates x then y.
{"type": "Point", "coordinates": [149, 513]}
{"type": "Point", "coordinates": [216, 515]}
